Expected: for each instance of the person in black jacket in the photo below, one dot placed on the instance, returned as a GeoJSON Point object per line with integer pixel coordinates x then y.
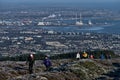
{"type": "Point", "coordinates": [31, 61]}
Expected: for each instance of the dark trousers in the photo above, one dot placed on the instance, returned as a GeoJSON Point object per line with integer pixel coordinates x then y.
{"type": "Point", "coordinates": [78, 58]}
{"type": "Point", "coordinates": [48, 68]}
{"type": "Point", "coordinates": [30, 68]}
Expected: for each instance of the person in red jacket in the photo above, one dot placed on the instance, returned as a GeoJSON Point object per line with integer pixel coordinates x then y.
{"type": "Point", "coordinates": [91, 56]}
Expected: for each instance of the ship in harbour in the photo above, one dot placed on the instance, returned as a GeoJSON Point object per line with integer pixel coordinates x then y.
{"type": "Point", "coordinates": [90, 23]}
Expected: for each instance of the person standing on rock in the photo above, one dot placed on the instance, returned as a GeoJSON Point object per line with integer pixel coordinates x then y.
{"type": "Point", "coordinates": [47, 63]}
{"type": "Point", "coordinates": [31, 61]}
{"type": "Point", "coordinates": [78, 56]}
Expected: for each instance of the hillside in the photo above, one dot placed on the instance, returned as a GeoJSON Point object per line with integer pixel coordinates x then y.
{"type": "Point", "coordinates": [63, 69]}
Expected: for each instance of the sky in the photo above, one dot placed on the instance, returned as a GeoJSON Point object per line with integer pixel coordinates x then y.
{"type": "Point", "coordinates": [60, 0]}
{"type": "Point", "coordinates": [55, 3]}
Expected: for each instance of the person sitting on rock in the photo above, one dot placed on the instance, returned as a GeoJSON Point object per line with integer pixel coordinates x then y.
{"type": "Point", "coordinates": [102, 56]}
{"type": "Point", "coordinates": [91, 56]}
{"type": "Point", "coordinates": [47, 63]}
{"type": "Point", "coordinates": [85, 55]}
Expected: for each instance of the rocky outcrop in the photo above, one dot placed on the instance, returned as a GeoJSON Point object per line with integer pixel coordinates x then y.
{"type": "Point", "coordinates": [64, 69]}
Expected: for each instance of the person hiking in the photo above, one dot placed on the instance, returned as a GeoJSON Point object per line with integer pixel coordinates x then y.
{"type": "Point", "coordinates": [109, 56]}
{"type": "Point", "coordinates": [78, 56]}
{"type": "Point", "coordinates": [47, 63]}
{"type": "Point", "coordinates": [102, 56]}
{"type": "Point", "coordinates": [91, 56]}
{"type": "Point", "coordinates": [85, 55]}
{"type": "Point", "coordinates": [31, 61]}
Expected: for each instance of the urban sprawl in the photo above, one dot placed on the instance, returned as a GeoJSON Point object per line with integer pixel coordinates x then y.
{"type": "Point", "coordinates": [20, 31]}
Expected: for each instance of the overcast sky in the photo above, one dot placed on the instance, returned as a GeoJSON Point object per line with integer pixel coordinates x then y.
{"type": "Point", "coordinates": [59, 1]}
{"type": "Point", "coordinates": [84, 3]}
